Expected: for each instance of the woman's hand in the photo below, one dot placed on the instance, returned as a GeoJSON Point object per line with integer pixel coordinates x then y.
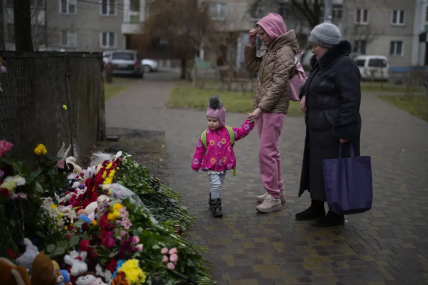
{"type": "Point", "coordinates": [252, 36]}
{"type": "Point", "coordinates": [255, 115]}
{"type": "Point", "coordinates": [343, 140]}
{"type": "Point", "coordinates": [303, 104]}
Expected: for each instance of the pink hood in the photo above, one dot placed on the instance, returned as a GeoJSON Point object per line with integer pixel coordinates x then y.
{"type": "Point", "coordinates": [274, 25]}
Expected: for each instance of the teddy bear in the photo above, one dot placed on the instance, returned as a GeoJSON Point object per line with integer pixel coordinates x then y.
{"type": "Point", "coordinates": [12, 274]}
{"type": "Point", "coordinates": [77, 262]}
{"type": "Point", "coordinates": [42, 271]}
{"type": "Point", "coordinates": [26, 259]}
{"type": "Point", "coordinates": [89, 278]}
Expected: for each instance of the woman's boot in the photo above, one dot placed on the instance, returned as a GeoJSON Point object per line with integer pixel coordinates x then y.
{"type": "Point", "coordinates": [331, 220]}
{"type": "Point", "coordinates": [315, 211]}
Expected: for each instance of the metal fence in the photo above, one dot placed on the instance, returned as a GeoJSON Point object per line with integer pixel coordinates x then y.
{"type": "Point", "coordinates": [36, 86]}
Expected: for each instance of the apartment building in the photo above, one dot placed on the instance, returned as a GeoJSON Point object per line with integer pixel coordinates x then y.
{"type": "Point", "coordinates": [234, 18]}
{"type": "Point", "coordinates": [75, 25]}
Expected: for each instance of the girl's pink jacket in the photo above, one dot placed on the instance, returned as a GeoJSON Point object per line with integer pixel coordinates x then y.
{"type": "Point", "coordinates": [219, 155]}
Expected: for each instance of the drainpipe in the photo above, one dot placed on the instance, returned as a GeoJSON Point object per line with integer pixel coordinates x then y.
{"type": "Point", "coordinates": [328, 11]}
{"type": "Point", "coordinates": [343, 18]}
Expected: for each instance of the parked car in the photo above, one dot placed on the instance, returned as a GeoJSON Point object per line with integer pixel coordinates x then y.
{"type": "Point", "coordinates": [373, 67]}
{"type": "Point", "coordinates": [149, 65]}
{"type": "Point", "coordinates": [124, 62]}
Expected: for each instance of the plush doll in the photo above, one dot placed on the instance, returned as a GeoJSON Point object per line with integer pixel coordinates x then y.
{"type": "Point", "coordinates": [119, 279]}
{"type": "Point", "coordinates": [77, 262]}
{"type": "Point", "coordinates": [10, 274]}
{"type": "Point", "coordinates": [89, 278]}
{"type": "Point", "coordinates": [66, 277]}
{"type": "Point", "coordinates": [31, 251]}
{"type": "Point", "coordinates": [105, 274]}
{"type": "Point", "coordinates": [42, 271]}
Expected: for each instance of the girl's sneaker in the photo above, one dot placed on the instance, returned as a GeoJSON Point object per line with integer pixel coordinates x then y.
{"type": "Point", "coordinates": [216, 208]}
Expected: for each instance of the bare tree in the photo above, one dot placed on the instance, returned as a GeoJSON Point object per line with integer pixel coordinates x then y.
{"type": "Point", "coordinates": [22, 23]}
{"type": "Point", "coordinates": [183, 24]}
{"type": "Point", "coordinates": [311, 10]}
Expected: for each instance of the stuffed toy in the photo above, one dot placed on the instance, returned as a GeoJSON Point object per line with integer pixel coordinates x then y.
{"type": "Point", "coordinates": [105, 274]}
{"type": "Point", "coordinates": [42, 271]}
{"type": "Point", "coordinates": [89, 278]}
{"type": "Point", "coordinates": [77, 262]}
{"type": "Point", "coordinates": [12, 274]}
{"type": "Point", "coordinates": [119, 279]}
{"type": "Point", "coordinates": [66, 277]}
{"type": "Point", "coordinates": [31, 251]}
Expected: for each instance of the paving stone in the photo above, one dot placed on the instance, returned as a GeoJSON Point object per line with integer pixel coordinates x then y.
{"type": "Point", "coordinates": [387, 245]}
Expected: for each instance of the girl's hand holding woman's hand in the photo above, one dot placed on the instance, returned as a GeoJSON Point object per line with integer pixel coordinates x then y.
{"type": "Point", "coordinates": [252, 36]}
{"type": "Point", "coordinates": [255, 115]}
{"type": "Point", "coordinates": [303, 104]}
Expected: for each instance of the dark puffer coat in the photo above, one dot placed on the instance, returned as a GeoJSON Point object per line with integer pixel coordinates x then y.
{"type": "Point", "coordinates": [333, 95]}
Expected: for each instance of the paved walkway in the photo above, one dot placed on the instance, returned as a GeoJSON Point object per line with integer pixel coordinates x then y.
{"type": "Point", "coordinates": [388, 245]}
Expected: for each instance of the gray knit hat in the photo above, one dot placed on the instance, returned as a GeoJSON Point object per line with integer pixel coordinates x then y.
{"type": "Point", "coordinates": [326, 35]}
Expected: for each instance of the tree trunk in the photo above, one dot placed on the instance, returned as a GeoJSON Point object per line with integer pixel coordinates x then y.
{"type": "Point", "coordinates": [22, 23]}
{"type": "Point", "coordinates": [183, 68]}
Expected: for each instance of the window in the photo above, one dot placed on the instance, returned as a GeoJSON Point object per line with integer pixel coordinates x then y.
{"type": "Point", "coordinates": [377, 62]}
{"type": "Point", "coordinates": [135, 6]}
{"type": "Point", "coordinates": [108, 7]}
{"type": "Point", "coordinates": [284, 10]}
{"type": "Point", "coordinates": [361, 16]}
{"type": "Point", "coordinates": [67, 7]}
{"type": "Point", "coordinates": [398, 18]}
{"type": "Point", "coordinates": [123, 55]}
{"type": "Point", "coordinates": [337, 13]}
{"type": "Point", "coordinates": [108, 40]}
{"type": "Point", "coordinates": [258, 13]}
{"type": "Point", "coordinates": [218, 11]}
{"type": "Point", "coordinates": [361, 62]}
{"type": "Point", "coordinates": [360, 47]}
{"type": "Point", "coordinates": [68, 38]}
{"type": "Point", "coordinates": [396, 48]}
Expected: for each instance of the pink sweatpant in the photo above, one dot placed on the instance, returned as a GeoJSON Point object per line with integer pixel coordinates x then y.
{"type": "Point", "coordinates": [269, 126]}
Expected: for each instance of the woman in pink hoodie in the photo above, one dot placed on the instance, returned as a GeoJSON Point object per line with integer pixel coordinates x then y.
{"type": "Point", "coordinates": [271, 99]}
{"type": "Point", "coordinates": [214, 150]}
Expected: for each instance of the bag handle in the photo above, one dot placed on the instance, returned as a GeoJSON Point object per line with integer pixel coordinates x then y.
{"type": "Point", "coordinates": [350, 146]}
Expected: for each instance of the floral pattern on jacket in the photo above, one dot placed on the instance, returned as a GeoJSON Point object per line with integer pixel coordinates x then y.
{"type": "Point", "coordinates": [219, 155]}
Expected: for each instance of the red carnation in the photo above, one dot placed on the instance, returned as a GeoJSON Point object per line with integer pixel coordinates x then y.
{"type": "Point", "coordinates": [111, 266]}
{"type": "Point", "coordinates": [11, 253]}
{"type": "Point", "coordinates": [4, 192]}
{"type": "Point", "coordinates": [70, 228]}
{"type": "Point", "coordinates": [85, 227]}
{"type": "Point", "coordinates": [84, 245]}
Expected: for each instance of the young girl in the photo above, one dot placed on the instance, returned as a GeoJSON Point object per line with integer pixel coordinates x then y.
{"type": "Point", "coordinates": [214, 151]}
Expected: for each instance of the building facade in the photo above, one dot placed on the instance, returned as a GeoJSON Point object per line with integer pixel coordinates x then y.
{"type": "Point", "coordinates": [386, 27]}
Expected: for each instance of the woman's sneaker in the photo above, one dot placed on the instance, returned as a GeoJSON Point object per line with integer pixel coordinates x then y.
{"type": "Point", "coordinates": [270, 204]}
{"type": "Point", "coordinates": [216, 208]}
{"type": "Point", "coordinates": [261, 198]}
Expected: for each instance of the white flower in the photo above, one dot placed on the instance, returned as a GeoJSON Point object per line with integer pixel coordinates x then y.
{"type": "Point", "coordinates": [19, 180]}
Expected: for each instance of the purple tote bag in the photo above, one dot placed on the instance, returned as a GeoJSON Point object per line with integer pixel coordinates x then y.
{"type": "Point", "coordinates": [348, 183]}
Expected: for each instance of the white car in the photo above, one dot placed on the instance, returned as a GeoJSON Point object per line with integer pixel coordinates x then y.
{"type": "Point", "coordinates": [373, 67]}
{"type": "Point", "coordinates": [149, 65]}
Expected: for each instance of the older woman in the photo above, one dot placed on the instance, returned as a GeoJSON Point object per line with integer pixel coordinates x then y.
{"type": "Point", "coordinates": [331, 99]}
{"type": "Point", "coordinates": [271, 100]}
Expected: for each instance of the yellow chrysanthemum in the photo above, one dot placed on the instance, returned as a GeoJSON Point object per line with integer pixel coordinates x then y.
{"type": "Point", "coordinates": [110, 217]}
{"type": "Point", "coordinates": [9, 185]}
{"type": "Point", "coordinates": [116, 215]}
{"type": "Point", "coordinates": [117, 207]}
{"type": "Point", "coordinates": [104, 175]}
{"type": "Point", "coordinates": [54, 207]}
{"type": "Point", "coordinates": [94, 222]}
{"type": "Point", "coordinates": [133, 273]}
{"type": "Point", "coordinates": [109, 165]}
{"type": "Point", "coordinates": [40, 149]}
